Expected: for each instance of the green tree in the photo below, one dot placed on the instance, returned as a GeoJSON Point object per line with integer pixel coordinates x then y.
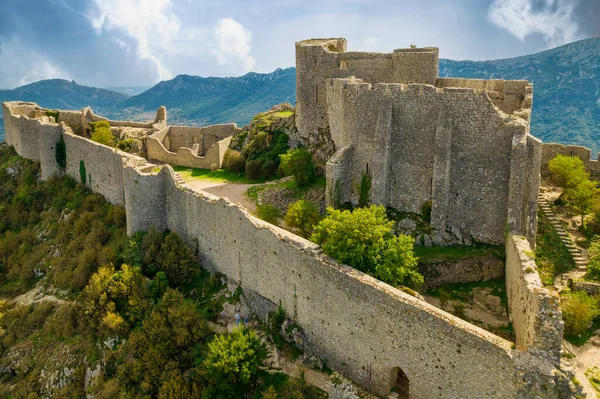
{"type": "Point", "coordinates": [579, 311]}
{"type": "Point", "coordinates": [594, 260]}
{"type": "Point", "coordinates": [583, 197]}
{"type": "Point", "coordinates": [363, 239]}
{"type": "Point", "coordinates": [162, 347]}
{"type": "Point", "coordinates": [115, 299]}
{"type": "Point", "coordinates": [233, 161]}
{"type": "Point", "coordinates": [177, 260]}
{"type": "Point", "coordinates": [233, 363]}
{"type": "Point", "coordinates": [102, 134]}
{"type": "Point", "coordinates": [567, 171]}
{"type": "Point", "coordinates": [298, 162]}
{"type": "Point", "coordinates": [303, 215]}
{"type": "Point", "coordinates": [399, 266]}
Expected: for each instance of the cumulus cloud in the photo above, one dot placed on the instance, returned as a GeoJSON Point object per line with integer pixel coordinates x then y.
{"type": "Point", "coordinates": [554, 19]}
{"type": "Point", "coordinates": [551, 18]}
{"type": "Point", "coordinates": [151, 24]}
{"type": "Point", "coordinates": [232, 44]}
{"type": "Point", "coordinates": [22, 65]}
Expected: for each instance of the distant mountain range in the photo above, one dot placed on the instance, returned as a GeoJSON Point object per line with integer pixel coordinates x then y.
{"type": "Point", "coordinates": [566, 93]}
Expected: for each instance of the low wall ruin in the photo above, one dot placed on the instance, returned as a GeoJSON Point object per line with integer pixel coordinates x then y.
{"type": "Point", "coordinates": [551, 150]}
{"type": "Point", "coordinates": [360, 326]}
{"type": "Point", "coordinates": [193, 147]}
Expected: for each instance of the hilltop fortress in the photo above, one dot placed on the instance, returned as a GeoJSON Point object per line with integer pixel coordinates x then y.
{"type": "Point", "coordinates": [462, 145]}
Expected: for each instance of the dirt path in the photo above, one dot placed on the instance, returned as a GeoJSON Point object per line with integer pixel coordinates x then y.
{"type": "Point", "coordinates": [585, 357]}
{"type": "Point", "coordinates": [236, 193]}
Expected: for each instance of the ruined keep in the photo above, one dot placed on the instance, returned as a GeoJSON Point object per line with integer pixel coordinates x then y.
{"type": "Point", "coordinates": [462, 145]}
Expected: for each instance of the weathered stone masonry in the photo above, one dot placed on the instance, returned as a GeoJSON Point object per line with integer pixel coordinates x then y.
{"type": "Point", "coordinates": [461, 144]}
{"type": "Point", "coordinates": [362, 327]}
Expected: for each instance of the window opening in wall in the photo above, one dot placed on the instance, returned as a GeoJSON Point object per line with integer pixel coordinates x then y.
{"type": "Point", "coordinates": [317, 94]}
{"type": "Point", "coordinates": [399, 383]}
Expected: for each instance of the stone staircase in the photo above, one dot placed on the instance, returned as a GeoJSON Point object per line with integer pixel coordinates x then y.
{"type": "Point", "coordinates": [178, 179]}
{"type": "Point", "coordinates": [579, 258]}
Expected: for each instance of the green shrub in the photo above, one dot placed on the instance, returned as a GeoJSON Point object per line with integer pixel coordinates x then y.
{"type": "Point", "coordinates": [593, 271]}
{"type": "Point", "coordinates": [579, 311]}
{"type": "Point", "coordinates": [363, 239]}
{"type": "Point", "coordinates": [426, 211]}
{"type": "Point", "coordinates": [266, 146]}
{"type": "Point", "coordinates": [303, 215]}
{"type": "Point", "coordinates": [125, 145]}
{"type": "Point", "coordinates": [82, 173]}
{"type": "Point", "coordinates": [268, 213]}
{"type": "Point", "coordinates": [234, 161]}
{"type": "Point", "coordinates": [269, 168]}
{"type": "Point", "coordinates": [364, 190]}
{"type": "Point", "coordinates": [567, 171]}
{"type": "Point", "coordinates": [254, 169]}
{"type": "Point", "coordinates": [233, 364]}
{"type": "Point", "coordinates": [102, 134]}
{"type": "Point", "coordinates": [60, 153]}
{"type": "Point", "coordinates": [298, 162]}
{"type": "Point", "coordinates": [53, 114]}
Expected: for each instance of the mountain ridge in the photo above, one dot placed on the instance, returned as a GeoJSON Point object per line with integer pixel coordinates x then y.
{"type": "Point", "coordinates": [566, 106]}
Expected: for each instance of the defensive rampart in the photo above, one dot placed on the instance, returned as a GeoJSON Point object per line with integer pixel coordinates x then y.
{"type": "Point", "coordinates": [449, 146]}
{"type": "Point", "coordinates": [535, 311]}
{"type": "Point", "coordinates": [395, 134]}
{"type": "Point", "coordinates": [194, 147]}
{"type": "Point", "coordinates": [360, 326]}
{"type": "Point", "coordinates": [551, 150]}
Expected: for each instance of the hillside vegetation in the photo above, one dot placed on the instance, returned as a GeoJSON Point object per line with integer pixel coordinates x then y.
{"type": "Point", "coordinates": [113, 316]}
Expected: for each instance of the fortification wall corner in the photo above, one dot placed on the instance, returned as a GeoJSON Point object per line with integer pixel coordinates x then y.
{"type": "Point", "coordinates": [145, 199]}
{"type": "Point", "coordinates": [535, 311]}
{"type": "Point", "coordinates": [339, 180]}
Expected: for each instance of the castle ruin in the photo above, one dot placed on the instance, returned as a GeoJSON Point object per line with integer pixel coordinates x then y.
{"type": "Point", "coordinates": [463, 145]}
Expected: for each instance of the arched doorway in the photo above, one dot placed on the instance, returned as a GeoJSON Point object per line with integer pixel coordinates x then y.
{"type": "Point", "coordinates": [399, 383]}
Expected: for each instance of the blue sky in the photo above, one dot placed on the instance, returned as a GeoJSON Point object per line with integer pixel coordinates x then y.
{"type": "Point", "coordinates": [140, 42]}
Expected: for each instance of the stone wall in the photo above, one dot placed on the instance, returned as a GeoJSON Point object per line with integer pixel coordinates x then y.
{"type": "Point", "coordinates": [451, 146]}
{"type": "Point", "coordinates": [194, 147]}
{"type": "Point", "coordinates": [534, 310]}
{"type": "Point", "coordinates": [318, 60]}
{"type": "Point", "coordinates": [437, 273]}
{"type": "Point", "coordinates": [587, 286]}
{"type": "Point", "coordinates": [551, 150]}
{"type": "Point", "coordinates": [359, 325]}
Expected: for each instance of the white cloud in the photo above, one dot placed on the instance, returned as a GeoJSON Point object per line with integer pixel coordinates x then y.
{"type": "Point", "coordinates": [232, 44]}
{"type": "Point", "coordinates": [152, 24]}
{"type": "Point", "coordinates": [551, 18]}
{"type": "Point", "coordinates": [22, 65]}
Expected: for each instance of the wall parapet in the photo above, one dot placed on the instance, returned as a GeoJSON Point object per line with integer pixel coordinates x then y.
{"type": "Point", "coordinates": [551, 150]}
{"type": "Point", "coordinates": [534, 310]}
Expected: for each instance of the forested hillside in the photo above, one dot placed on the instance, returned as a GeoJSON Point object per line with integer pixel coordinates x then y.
{"type": "Point", "coordinates": [111, 316]}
